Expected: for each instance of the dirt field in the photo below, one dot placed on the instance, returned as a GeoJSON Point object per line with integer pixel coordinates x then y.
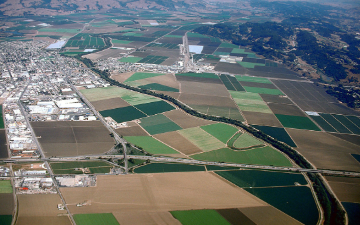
{"type": "Point", "coordinates": [121, 77]}
{"type": "Point", "coordinates": [268, 215]}
{"type": "Point", "coordinates": [186, 121]}
{"type": "Point", "coordinates": [259, 85]}
{"type": "Point", "coordinates": [346, 189]}
{"type": "Point", "coordinates": [276, 99]}
{"type": "Point", "coordinates": [149, 193]}
{"type": "Point", "coordinates": [209, 89]}
{"type": "Point", "coordinates": [40, 209]}
{"type": "Point", "coordinates": [263, 119]}
{"type": "Point", "coordinates": [111, 103]}
{"type": "Point", "coordinates": [194, 99]}
{"type": "Point", "coordinates": [104, 54]}
{"type": "Point", "coordinates": [285, 109]}
{"type": "Point", "coordinates": [348, 137]}
{"type": "Point", "coordinates": [167, 80]}
{"type": "Point", "coordinates": [73, 138]}
{"type": "Point", "coordinates": [133, 218]}
{"type": "Point", "coordinates": [133, 129]}
{"type": "Point", "coordinates": [7, 204]}
{"type": "Point", "coordinates": [178, 142]}
{"type": "Point", "coordinates": [325, 150]}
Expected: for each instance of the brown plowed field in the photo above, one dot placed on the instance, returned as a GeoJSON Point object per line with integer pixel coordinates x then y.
{"type": "Point", "coordinates": [140, 218]}
{"type": "Point", "coordinates": [121, 77]}
{"type": "Point", "coordinates": [194, 99]}
{"type": "Point", "coordinates": [178, 142]}
{"type": "Point", "coordinates": [186, 121]}
{"type": "Point", "coordinates": [40, 209]}
{"type": "Point", "coordinates": [276, 99]}
{"type": "Point", "coordinates": [284, 109]}
{"type": "Point", "coordinates": [268, 215]}
{"type": "Point", "coordinates": [259, 85]}
{"type": "Point", "coordinates": [133, 129]}
{"type": "Point", "coordinates": [346, 189]}
{"type": "Point", "coordinates": [234, 68]}
{"type": "Point", "coordinates": [324, 150]}
{"type": "Point", "coordinates": [167, 80]}
{"type": "Point", "coordinates": [160, 192]}
{"type": "Point", "coordinates": [234, 216]}
{"type": "Point", "coordinates": [263, 119]}
{"type": "Point", "coordinates": [7, 204]}
{"type": "Point", "coordinates": [355, 139]}
{"type": "Point", "coordinates": [111, 103]}
{"type": "Point", "coordinates": [208, 89]}
{"type": "Point", "coordinates": [73, 138]}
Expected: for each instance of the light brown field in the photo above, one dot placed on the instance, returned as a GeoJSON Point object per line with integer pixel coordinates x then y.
{"type": "Point", "coordinates": [133, 129]}
{"type": "Point", "coordinates": [268, 215]}
{"type": "Point", "coordinates": [7, 203]}
{"type": "Point", "coordinates": [325, 150]}
{"type": "Point", "coordinates": [158, 193]}
{"type": "Point", "coordinates": [194, 99]}
{"type": "Point", "coordinates": [186, 121]}
{"type": "Point", "coordinates": [167, 80]}
{"type": "Point", "coordinates": [121, 77]}
{"type": "Point", "coordinates": [263, 119]}
{"type": "Point", "coordinates": [285, 109]}
{"type": "Point", "coordinates": [346, 189]}
{"type": "Point", "coordinates": [210, 89]}
{"type": "Point", "coordinates": [111, 103]}
{"type": "Point", "coordinates": [178, 142]}
{"type": "Point", "coordinates": [41, 209]}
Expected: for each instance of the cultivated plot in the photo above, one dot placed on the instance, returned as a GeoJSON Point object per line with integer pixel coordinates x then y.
{"type": "Point", "coordinates": [202, 139]}
{"type": "Point", "coordinates": [252, 102]}
{"type": "Point", "coordinates": [221, 131]}
{"type": "Point", "coordinates": [178, 142]}
{"type": "Point", "coordinates": [185, 120]}
{"type": "Point", "coordinates": [298, 122]}
{"type": "Point", "coordinates": [158, 124]}
{"type": "Point", "coordinates": [150, 145]}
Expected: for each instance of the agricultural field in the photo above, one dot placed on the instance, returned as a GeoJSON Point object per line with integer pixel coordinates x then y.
{"type": "Point", "coordinates": [257, 156]}
{"type": "Point", "coordinates": [153, 59]}
{"type": "Point", "coordinates": [352, 210]}
{"type": "Point", "coordinates": [298, 122]}
{"type": "Point", "coordinates": [1, 118]}
{"type": "Point", "coordinates": [85, 41]}
{"type": "Point", "coordinates": [95, 219]}
{"type": "Point", "coordinates": [337, 123]}
{"type": "Point", "coordinates": [185, 120]}
{"type": "Point", "coordinates": [278, 133]}
{"type": "Point", "coordinates": [163, 45]}
{"type": "Point", "coordinates": [130, 59]}
{"type": "Point", "coordinates": [73, 138]}
{"type": "Point", "coordinates": [205, 216]}
{"type": "Point", "coordinates": [3, 147]}
{"type": "Point", "coordinates": [168, 168]}
{"type": "Point", "coordinates": [221, 131]}
{"type": "Point", "coordinates": [158, 124]}
{"type": "Point", "coordinates": [123, 114]}
{"type": "Point", "coordinates": [245, 141]}
{"type": "Point", "coordinates": [177, 141]}
{"type": "Point", "coordinates": [5, 187]}
{"type": "Point", "coordinates": [150, 145]}
{"type": "Point", "coordinates": [345, 188]}
{"type": "Point", "coordinates": [81, 167]}
{"type": "Point", "coordinates": [248, 101]}
{"type": "Point", "coordinates": [202, 139]}
{"type": "Point", "coordinates": [40, 209]}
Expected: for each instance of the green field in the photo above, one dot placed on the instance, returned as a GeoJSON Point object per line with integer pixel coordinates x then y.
{"type": "Point", "coordinates": [335, 123]}
{"type": "Point", "coordinates": [323, 124]}
{"type": "Point", "coordinates": [347, 123]}
{"type": "Point", "coordinates": [158, 124]}
{"type": "Point", "coordinates": [5, 219]}
{"type": "Point", "coordinates": [5, 186]}
{"type": "Point", "coordinates": [250, 65]}
{"type": "Point", "coordinates": [95, 219]}
{"type": "Point", "coordinates": [203, 75]}
{"type": "Point", "coordinates": [134, 98]}
{"type": "Point", "coordinates": [258, 156]}
{"type": "Point", "coordinates": [221, 131]}
{"type": "Point", "coordinates": [173, 36]}
{"type": "Point", "coordinates": [248, 101]}
{"type": "Point", "coordinates": [258, 178]}
{"type": "Point", "coordinates": [238, 50]}
{"type": "Point", "coordinates": [150, 145]}
{"type": "Point", "coordinates": [263, 90]}
{"type": "Point", "coordinates": [158, 87]}
{"type": "Point", "coordinates": [130, 59]}
{"type": "Point", "coordinates": [1, 118]}
{"type": "Point", "coordinates": [246, 141]}
{"type": "Point", "coordinates": [253, 79]}
{"type": "Point", "coordinates": [297, 202]}
{"type": "Point", "coordinates": [200, 217]}
{"type": "Point", "coordinates": [96, 94]}
{"type": "Point", "coordinates": [84, 41]}
{"type": "Point", "coordinates": [153, 108]}
{"type": "Point", "coordinates": [141, 75]}
{"type": "Point", "coordinates": [278, 133]}
{"type": "Point", "coordinates": [167, 168]}
{"type": "Point", "coordinates": [115, 41]}
{"type": "Point", "coordinates": [60, 30]}
{"type": "Point", "coordinates": [297, 122]}
{"type": "Point", "coordinates": [202, 139]}
{"type": "Point", "coordinates": [123, 114]}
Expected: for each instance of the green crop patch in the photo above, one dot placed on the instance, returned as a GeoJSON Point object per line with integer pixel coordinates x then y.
{"type": "Point", "coordinates": [153, 108]}
{"type": "Point", "coordinates": [248, 101]}
{"type": "Point", "coordinates": [347, 123]}
{"type": "Point", "coordinates": [258, 178]}
{"type": "Point", "coordinates": [153, 59]}
{"type": "Point", "coordinates": [158, 124]}
{"type": "Point", "coordinates": [201, 138]}
{"type": "Point", "coordinates": [246, 141]}
{"type": "Point", "coordinates": [297, 202]}
{"type": "Point", "coordinates": [221, 53]}
{"type": "Point", "coordinates": [258, 156]}
{"type": "Point", "coordinates": [167, 168]}
{"type": "Point", "coordinates": [335, 123]}
{"type": "Point", "coordinates": [250, 65]}
{"type": "Point", "coordinates": [203, 75]}
{"type": "Point", "coordinates": [95, 219]}
{"type": "Point", "coordinates": [130, 59]}
{"type": "Point", "coordinates": [263, 90]}
{"type": "Point", "coordinates": [205, 216]}
{"type": "Point", "coordinates": [5, 219]}
{"type": "Point", "coordinates": [141, 75]}
{"type": "Point", "coordinates": [1, 118]}
{"type": "Point", "coordinates": [228, 45]}
{"type": "Point", "coordinates": [238, 50]}
{"type": "Point", "coordinates": [253, 79]}
{"type": "Point", "coordinates": [123, 114]}
{"type": "Point", "coordinates": [158, 87]}
{"type": "Point", "coordinates": [235, 83]}
{"type": "Point", "coordinates": [134, 98]}
{"type": "Point", "coordinates": [96, 94]}
{"type": "Point", "coordinates": [323, 124]}
{"type": "Point", "coordinates": [84, 41]}
{"type": "Point", "coordinates": [5, 186]}
{"type": "Point", "coordinates": [173, 36]}
{"type": "Point", "coordinates": [221, 131]}
{"type": "Point", "coordinates": [297, 122]}
{"type": "Point", "coordinates": [150, 145]}
{"type": "Point", "coordinates": [278, 133]}
{"type": "Point", "coordinates": [114, 41]}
